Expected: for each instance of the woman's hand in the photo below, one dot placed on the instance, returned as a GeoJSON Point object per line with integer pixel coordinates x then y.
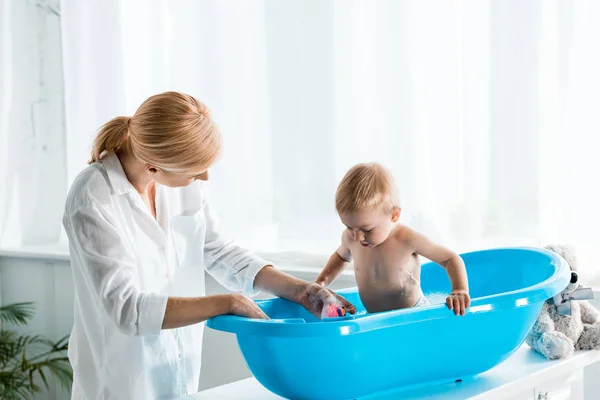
{"type": "Point", "coordinates": [309, 295]}
{"type": "Point", "coordinates": [184, 311]}
{"type": "Point", "coordinates": [459, 301]}
{"type": "Point", "coordinates": [244, 307]}
{"type": "Point", "coordinates": [313, 296]}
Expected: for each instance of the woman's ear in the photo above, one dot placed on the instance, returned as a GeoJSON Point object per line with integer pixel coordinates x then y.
{"type": "Point", "coordinates": [396, 214]}
{"type": "Point", "coordinates": [151, 169]}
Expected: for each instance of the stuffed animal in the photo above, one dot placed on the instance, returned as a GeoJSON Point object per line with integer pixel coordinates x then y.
{"type": "Point", "coordinates": [568, 321]}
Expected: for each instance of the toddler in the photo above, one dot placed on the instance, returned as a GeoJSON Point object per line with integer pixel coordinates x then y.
{"type": "Point", "coordinates": [385, 252]}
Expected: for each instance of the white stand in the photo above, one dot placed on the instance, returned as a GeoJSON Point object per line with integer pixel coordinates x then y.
{"type": "Point", "coordinates": [525, 376]}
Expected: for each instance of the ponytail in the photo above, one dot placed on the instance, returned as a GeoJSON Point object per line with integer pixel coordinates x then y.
{"type": "Point", "coordinates": [111, 137]}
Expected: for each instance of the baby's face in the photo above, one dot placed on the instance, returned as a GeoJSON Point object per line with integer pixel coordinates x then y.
{"type": "Point", "coordinates": [370, 227]}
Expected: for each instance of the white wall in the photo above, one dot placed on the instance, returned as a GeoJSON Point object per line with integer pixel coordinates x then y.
{"type": "Point", "coordinates": [47, 281]}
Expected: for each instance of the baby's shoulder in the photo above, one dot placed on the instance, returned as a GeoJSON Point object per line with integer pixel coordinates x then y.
{"type": "Point", "coordinates": [345, 238]}
{"type": "Point", "coordinates": [403, 233]}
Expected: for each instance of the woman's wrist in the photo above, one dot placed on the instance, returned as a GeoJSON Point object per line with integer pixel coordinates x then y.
{"type": "Point", "coordinates": [322, 282]}
{"type": "Point", "coordinates": [183, 311]}
{"type": "Point", "coordinates": [228, 303]}
{"type": "Point", "coordinates": [270, 279]}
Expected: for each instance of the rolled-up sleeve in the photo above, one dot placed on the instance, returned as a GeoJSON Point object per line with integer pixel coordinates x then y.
{"type": "Point", "coordinates": [109, 271]}
{"type": "Point", "coordinates": [230, 264]}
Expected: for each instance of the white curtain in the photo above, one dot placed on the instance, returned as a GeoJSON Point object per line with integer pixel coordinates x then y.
{"type": "Point", "coordinates": [33, 181]}
{"type": "Point", "coordinates": [484, 110]}
{"type": "Point", "coordinates": [119, 53]}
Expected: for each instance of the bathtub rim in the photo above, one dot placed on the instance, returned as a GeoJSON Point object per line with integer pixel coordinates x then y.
{"type": "Point", "coordinates": [523, 297]}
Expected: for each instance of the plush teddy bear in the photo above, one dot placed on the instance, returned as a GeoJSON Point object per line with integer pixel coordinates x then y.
{"type": "Point", "coordinates": [567, 322]}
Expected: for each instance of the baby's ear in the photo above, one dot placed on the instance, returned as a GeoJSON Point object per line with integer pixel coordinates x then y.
{"type": "Point", "coordinates": [396, 214]}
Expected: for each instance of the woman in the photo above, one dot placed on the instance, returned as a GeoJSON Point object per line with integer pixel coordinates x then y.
{"type": "Point", "coordinates": [141, 234]}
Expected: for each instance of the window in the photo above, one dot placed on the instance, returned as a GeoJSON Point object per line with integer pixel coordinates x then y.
{"type": "Point", "coordinates": [484, 111]}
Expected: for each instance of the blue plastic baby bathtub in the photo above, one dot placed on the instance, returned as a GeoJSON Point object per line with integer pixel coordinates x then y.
{"type": "Point", "coordinates": [299, 357]}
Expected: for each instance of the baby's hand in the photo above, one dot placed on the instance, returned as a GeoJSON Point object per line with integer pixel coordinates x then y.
{"type": "Point", "coordinates": [458, 301]}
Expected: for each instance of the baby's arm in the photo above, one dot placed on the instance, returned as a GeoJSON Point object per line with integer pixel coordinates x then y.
{"type": "Point", "coordinates": [452, 262]}
{"type": "Point", "coordinates": [336, 264]}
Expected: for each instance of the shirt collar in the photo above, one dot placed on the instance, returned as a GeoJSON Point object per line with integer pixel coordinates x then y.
{"type": "Point", "coordinates": [116, 174]}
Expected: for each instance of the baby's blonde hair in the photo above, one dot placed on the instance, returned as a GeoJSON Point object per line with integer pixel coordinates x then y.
{"type": "Point", "coordinates": [172, 131]}
{"type": "Point", "coordinates": [367, 187]}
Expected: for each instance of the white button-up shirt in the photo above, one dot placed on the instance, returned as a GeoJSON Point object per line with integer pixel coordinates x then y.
{"type": "Point", "coordinates": [125, 265]}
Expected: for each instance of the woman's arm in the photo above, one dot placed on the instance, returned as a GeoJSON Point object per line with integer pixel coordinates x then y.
{"type": "Point", "coordinates": [310, 295]}
{"type": "Point", "coordinates": [183, 311]}
{"type": "Point", "coordinates": [108, 269]}
{"type": "Point", "coordinates": [237, 268]}
{"type": "Point", "coordinates": [231, 265]}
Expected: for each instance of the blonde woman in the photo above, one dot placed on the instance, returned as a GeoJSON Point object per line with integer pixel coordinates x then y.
{"type": "Point", "coordinates": [142, 233]}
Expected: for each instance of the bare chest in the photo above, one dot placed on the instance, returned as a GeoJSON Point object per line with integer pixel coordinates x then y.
{"type": "Point", "coordinates": [388, 278]}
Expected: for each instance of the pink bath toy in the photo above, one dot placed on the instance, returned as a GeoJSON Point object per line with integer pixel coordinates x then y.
{"type": "Point", "coordinates": [334, 311]}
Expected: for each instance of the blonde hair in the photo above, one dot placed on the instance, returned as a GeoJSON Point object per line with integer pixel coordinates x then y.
{"type": "Point", "coordinates": [171, 131]}
{"type": "Point", "coordinates": [366, 186]}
